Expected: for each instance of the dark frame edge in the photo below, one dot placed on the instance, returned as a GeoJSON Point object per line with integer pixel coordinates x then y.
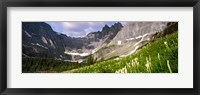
{"type": "Point", "coordinates": [195, 47]}
{"type": "Point", "coordinates": [3, 59]}
{"type": "Point", "coordinates": [3, 48]}
{"type": "Point", "coordinates": [102, 3]}
{"type": "Point", "coordinates": [1, 62]}
{"type": "Point", "coordinates": [197, 39]}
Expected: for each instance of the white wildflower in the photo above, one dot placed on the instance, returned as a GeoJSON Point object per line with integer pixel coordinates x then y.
{"type": "Point", "coordinates": [159, 60]}
{"type": "Point", "coordinates": [123, 70]}
{"type": "Point", "coordinates": [148, 64]}
{"type": "Point", "coordinates": [167, 46]}
{"type": "Point", "coordinates": [136, 61]}
{"type": "Point", "coordinates": [169, 66]}
{"type": "Point", "coordinates": [165, 43]}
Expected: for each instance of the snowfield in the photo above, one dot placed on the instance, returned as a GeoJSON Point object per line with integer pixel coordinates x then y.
{"type": "Point", "coordinates": [80, 54]}
{"type": "Point", "coordinates": [37, 44]}
{"type": "Point", "coordinates": [79, 61]}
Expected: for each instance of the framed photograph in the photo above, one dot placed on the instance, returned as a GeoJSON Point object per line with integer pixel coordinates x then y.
{"type": "Point", "coordinates": [66, 47]}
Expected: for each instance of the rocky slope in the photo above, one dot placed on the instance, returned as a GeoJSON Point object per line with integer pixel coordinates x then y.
{"type": "Point", "coordinates": [133, 36]}
{"type": "Point", "coordinates": [39, 40]}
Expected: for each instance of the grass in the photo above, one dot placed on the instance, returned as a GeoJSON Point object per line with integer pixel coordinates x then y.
{"type": "Point", "coordinates": [160, 56]}
{"type": "Point", "coordinates": [47, 65]}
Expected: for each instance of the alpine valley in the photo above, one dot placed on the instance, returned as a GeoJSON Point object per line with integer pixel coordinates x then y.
{"type": "Point", "coordinates": [135, 47]}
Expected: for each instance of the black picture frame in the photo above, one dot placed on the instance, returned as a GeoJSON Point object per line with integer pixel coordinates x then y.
{"type": "Point", "coordinates": [99, 3]}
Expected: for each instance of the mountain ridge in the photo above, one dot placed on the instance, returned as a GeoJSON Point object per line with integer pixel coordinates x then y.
{"type": "Point", "coordinates": [135, 38]}
{"type": "Point", "coordinates": [40, 40]}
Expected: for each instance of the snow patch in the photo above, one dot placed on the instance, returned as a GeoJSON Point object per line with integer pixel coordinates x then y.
{"type": "Point", "coordinates": [79, 61]}
{"type": "Point", "coordinates": [138, 37]}
{"type": "Point", "coordinates": [27, 34]}
{"type": "Point", "coordinates": [61, 56]}
{"type": "Point", "coordinates": [95, 50]}
{"type": "Point", "coordinates": [119, 42]}
{"type": "Point", "coordinates": [116, 58]}
{"type": "Point", "coordinates": [141, 36]}
{"type": "Point", "coordinates": [80, 54]}
{"type": "Point", "coordinates": [37, 44]}
{"type": "Point", "coordinates": [136, 45]}
{"type": "Point", "coordinates": [51, 43]}
{"type": "Point", "coordinates": [130, 39]}
{"type": "Point", "coordinates": [25, 55]}
{"type": "Point", "coordinates": [141, 39]}
{"type": "Point", "coordinates": [145, 35]}
{"type": "Point", "coordinates": [133, 51]}
{"type": "Point", "coordinates": [44, 40]}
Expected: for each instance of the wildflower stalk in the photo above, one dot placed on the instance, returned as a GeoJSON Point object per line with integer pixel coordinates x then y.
{"type": "Point", "coordinates": [167, 46]}
{"type": "Point", "coordinates": [148, 65]}
{"type": "Point", "coordinates": [169, 66]}
{"type": "Point", "coordinates": [137, 64]}
{"type": "Point", "coordinates": [159, 60]}
{"type": "Point", "coordinates": [123, 70]}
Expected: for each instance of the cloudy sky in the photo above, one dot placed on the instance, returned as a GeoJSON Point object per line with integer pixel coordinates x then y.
{"type": "Point", "coordinates": [78, 29]}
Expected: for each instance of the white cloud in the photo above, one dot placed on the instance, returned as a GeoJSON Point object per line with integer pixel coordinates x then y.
{"type": "Point", "coordinates": [68, 25]}
{"type": "Point", "coordinates": [78, 29]}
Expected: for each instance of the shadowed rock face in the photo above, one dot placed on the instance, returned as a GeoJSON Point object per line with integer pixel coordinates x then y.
{"type": "Point", "coordinates": [39, 40]}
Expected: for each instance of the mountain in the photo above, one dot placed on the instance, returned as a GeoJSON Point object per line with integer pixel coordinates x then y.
{"type": "Point", "coordinates": [102, 38]}
{"type": "Point", "coordinates": [136, 47]}
{"type": "Point", "coordinates": [39, 40]}
{"type": "Point", "coordinates": [137, 29]}
{"type": "Point", "coordinates": [133, 36]}
{"type": "Point", "coordinates": [159, 56]}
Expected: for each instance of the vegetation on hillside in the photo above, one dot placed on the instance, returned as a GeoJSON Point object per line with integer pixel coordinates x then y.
{"type": "Point", "coordinates": [47, 65]}
{"type": "Point", "coordinates": [160, 56]}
